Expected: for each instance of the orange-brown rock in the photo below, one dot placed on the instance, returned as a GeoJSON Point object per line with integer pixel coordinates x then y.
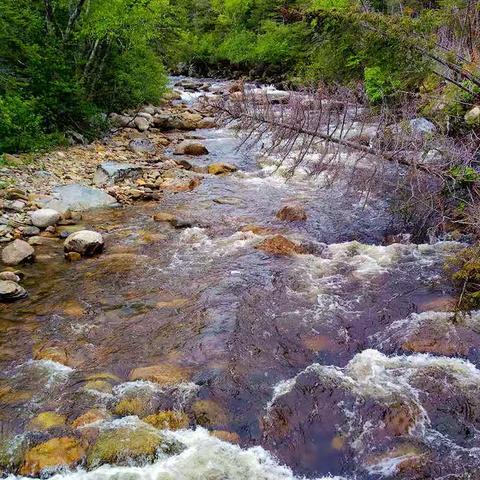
{"type": "Point", "coordinates": [230, 437]}
{"type": "Point", "coordinates": [435, 344]}
{"type": "Point", "coordinates": [279, 245]}
{"type": "Point", "coordinates": [163, 374]}
{"type": "Point", "coordinates": [57, 452]}
{"type": "Point", "coordinates": [292, 213]}
{"type": "Point", "coordinates": [209, 413]}
{"type": "Point", "coordinates": [257, 229]}
{"type": "Point", "coordinates": [89, 417]}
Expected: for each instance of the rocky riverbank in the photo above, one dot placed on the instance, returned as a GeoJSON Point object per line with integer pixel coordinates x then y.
{"type": "Point", "coordinates": [148, 153]}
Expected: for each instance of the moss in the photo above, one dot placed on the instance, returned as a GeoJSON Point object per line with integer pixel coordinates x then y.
{"type": "Point", "coordinates": [126, 444]}
{"type": "Point", "coordinates": [168, 420]}
{"type": "Point", "coordinates": [46, 421]}
{"type": "Point", "coordinates": [464, 269]}
{"type": "Point", "coordinates": [139, 406]}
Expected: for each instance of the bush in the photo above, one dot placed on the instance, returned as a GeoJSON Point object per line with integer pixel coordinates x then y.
{"type": "Point", "coordinates": [21, 129]}
{"type": "Point", "coordinates": [379, 84]}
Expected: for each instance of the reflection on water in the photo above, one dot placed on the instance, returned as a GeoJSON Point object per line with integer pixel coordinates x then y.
{"type": "Point", "coordinates": [271, 352]}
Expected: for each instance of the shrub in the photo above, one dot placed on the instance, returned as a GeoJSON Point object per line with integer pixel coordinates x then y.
{"type": "Point", "coordinates": [21, 129]}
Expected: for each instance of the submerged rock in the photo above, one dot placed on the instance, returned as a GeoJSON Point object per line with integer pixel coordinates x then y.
{"type": "Point", "coordinates": [11, 276]}
{"type": "Point", "coordinates": [76, 197]}
{"type": "Point", "coordinates": [168, 420]}
{"type": "Point", "coordinates": [11, 291]}
{"type": "Point", "coordinates": [209, 413]}
{"type": "Point", "coordinates": [45, 217]}
{"type": "Point", "coordinates": [279, 245]}
{"type": "Point", "coordinates": [221, 168]}
{"type": "Point", "coordinates": [18, 252]}
{"type": "Point", "coordinates": [292, 213]}
{"type": "Point", "coordinates": [188, 147]}
{"type": "Point", "coordinates": [85, 242]}
{"type": "Point", "coordinates": [109, 173]}
{"type": "Point", "coordinates": [164, 374]}
{"type": "Point", "coordinates": [127, 444]}
{"type": "Point", "coordinates": [46, 420]}
{"type": "Point", "coordinates": [57, 452]}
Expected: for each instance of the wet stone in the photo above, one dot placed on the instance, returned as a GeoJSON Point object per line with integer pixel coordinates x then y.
{"type": "Point", "coordinates": [292, 213]}
{"type": "Point", "coordinates": [18, 252]}
{"type": "Point", "coordinates": [11, 291]}
{"type": "Point", "coordinates": [279, 245]}
{"type": "Point", "coordinates": [85, 242]}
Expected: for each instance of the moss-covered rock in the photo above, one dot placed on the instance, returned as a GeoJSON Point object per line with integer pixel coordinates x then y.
{"type": "Point", "coordinates": [129, 443]}
{"type": "Point", "coordinates": [57, 452]}
{"type": "Point", "coordinates": [99, 386]}
{"type": "Point", "coordinates": [46, 421]}
{"type": "Point", "coordinates": [168, 420]}
{"type": "Point", "coordinates": [139, 406]}
{"type": "Point", "coordinates": [89, 417]}
{"type": "Point", "coordinates": [164, 374]}
{"type": "Point", "coordinates": [221, 169]}
{"type": "Point", "coordinates": [11, 453]}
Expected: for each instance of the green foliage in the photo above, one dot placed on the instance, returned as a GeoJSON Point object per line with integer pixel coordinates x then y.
{"type": "Point", "coordinates": [379, 84]}
{"type": "Point", "coordinates": [60, 70]}
{"type": "Point", "coordinates": [21, 128]}
{"type": "Point", "coordinates": [464, 269]}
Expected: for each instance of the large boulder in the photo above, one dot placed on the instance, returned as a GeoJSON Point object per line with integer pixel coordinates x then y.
{"type": "Point", "coordinates": [189, 147]}
{"type": "Point", "coordinates": [45, 217]}
{"type": "Point", "coordinates": [54, 453]}
{"type": "Point", "coordinates": [77, 197]}
{"type": "Point", "coordinates": [18, 252]}
{"type": "Point", "coordinates": [109, 173]}
{"type": "Point", "coordinates": [84, 242]}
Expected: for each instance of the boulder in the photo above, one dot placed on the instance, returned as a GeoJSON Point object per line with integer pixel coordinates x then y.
{"type": "Point", "coordinates": [207, 122]}
{"type": "Point", "coordinates": [168, 420]}
{"type": "Point", "coordinates": [109, 173]}
{"type": "Point", "coordinates": [164, 374]}
{"type": "Point", "coordinates": [221, 169]}
{"type": "Point", "coordinates": [11, 291]}
{"type": "Point", "coordinates": [46, 421]}
{"type": "Point", "coordinates": [127, 444]}
{"type": "Point", "coordinates": [77, 197]}
{"type": "Point", "coordinates": [422, 126]}
{"type": "Point", "coordinates": [141, 123]}
{"type": "Point", "coordinates": [84, 242]}
{"type": "Point", "coordinates": [189, 147]}
{"type": "Point", "coordinates": [472, 117]}
{"type": "Point", "coordinates": [18, 252]}
{"type": "Point", "coordinates": [54, 453]}
{"type": "Point", "coordinates": [45, 217]}
{"type": "Point", "coordinates": [292, 213]}
{"type": "Point", "coordinates": [142, 145]}
{"type": "Point", "coordinates": [279, 245]}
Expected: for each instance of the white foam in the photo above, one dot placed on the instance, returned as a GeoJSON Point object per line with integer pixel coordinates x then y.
{"type": "Point", "coordinates": [205, 457]}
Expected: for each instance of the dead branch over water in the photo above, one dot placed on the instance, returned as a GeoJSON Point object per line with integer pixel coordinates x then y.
{"type": "Point", "coordinates": [335, 133]}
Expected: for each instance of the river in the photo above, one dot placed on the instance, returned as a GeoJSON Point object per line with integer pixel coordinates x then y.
{"type": "Point", "coordinates": [337, 362]}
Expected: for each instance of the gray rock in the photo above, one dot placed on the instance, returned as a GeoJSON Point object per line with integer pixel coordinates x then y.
{"type": "Point", "coordinates": [109, 173]}
{"type": "Point", "coordinates": [76, 197]}
{"type": "Point", "coordinates": [45, 217]}
{"type": "Point", "coordinates": [15, 205]}
{"type": "Point", "coordinates": [84, 242]}
{"type": "Point", "coordinates": [142, 145]}
{"type": "Point", "coordinates": [472, 117]}
{"type": "Point", "coordinates": [10, 276]}
{"type": "Point", "coordinates": [11, 291]}
{"type": "Point", "coordinates": [141, 123]}
{"type": "Point", "coordinates": [422, 126]}
{"type": "Point", "coordinates": [17, 252]}
{"type": "Point", "coordinates": [121, 120]}
{"type": "Point", "coordinates": [42, 241]}
{"type": "Point", "coordinates": [29, 231]}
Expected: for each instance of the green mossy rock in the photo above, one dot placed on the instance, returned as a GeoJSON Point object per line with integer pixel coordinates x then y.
{"type": "Point", "coordinates": [127, 444]}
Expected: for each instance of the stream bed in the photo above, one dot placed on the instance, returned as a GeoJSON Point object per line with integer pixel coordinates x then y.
{"type": "Point", "coordinates": [343, 361]}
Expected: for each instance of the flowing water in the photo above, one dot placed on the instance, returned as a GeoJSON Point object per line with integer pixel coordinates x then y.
{"type": "Point", "coordinates": [335, 362]}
